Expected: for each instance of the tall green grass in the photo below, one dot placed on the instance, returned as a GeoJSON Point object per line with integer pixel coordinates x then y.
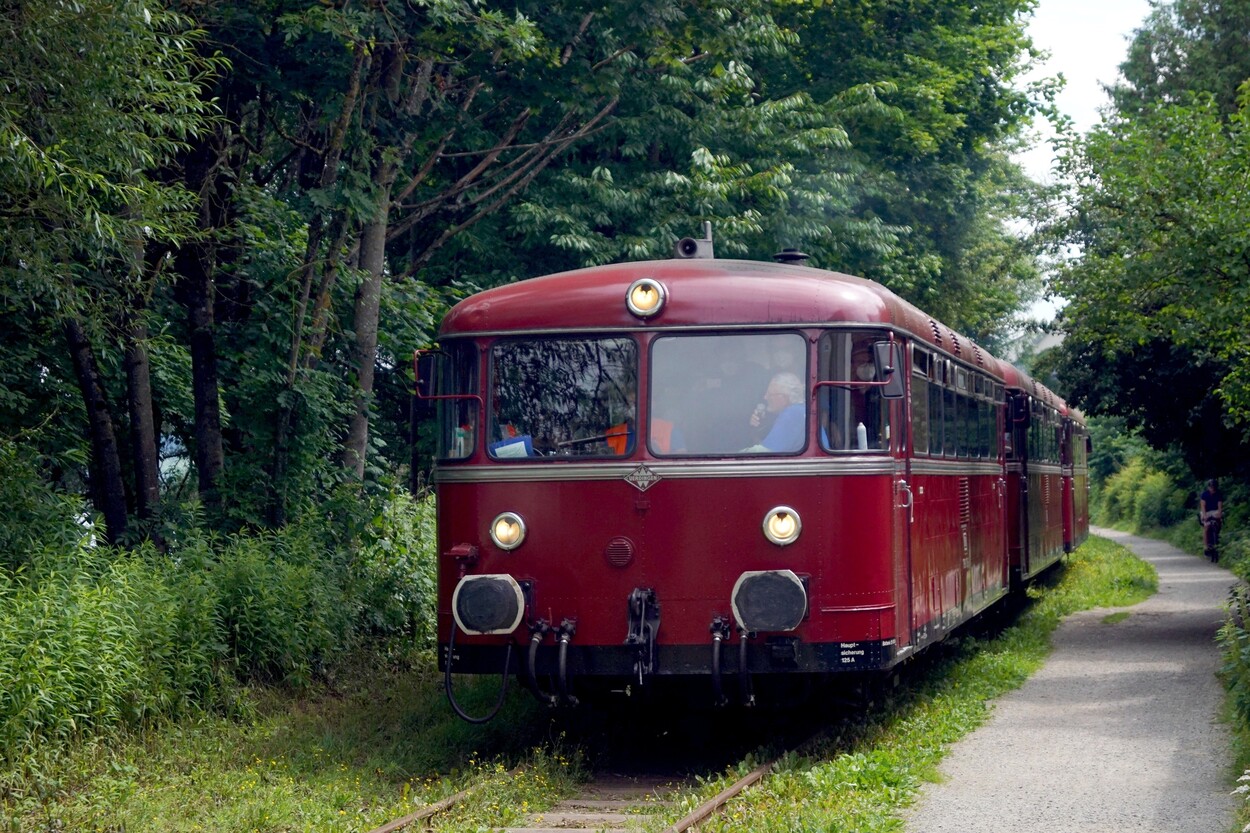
{"type": "Point", "coordinates": [95, 639]}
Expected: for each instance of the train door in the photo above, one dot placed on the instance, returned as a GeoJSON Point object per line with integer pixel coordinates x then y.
{"type": "Point", "coordinates": [964, 450]}
{"type": "Point", "coordinates": [1016, 434]}
{"type": "Point", "coordinates": [1067, 437]}
{"type": "Point", "coordinates": [918, 492]}
{"type": "Point", "coordinates": [904, 504]}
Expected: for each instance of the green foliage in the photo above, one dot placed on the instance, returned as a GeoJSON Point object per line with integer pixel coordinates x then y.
{"type": "Point", "coordinates": [36, 516]}
{"type": "Point", "coordinates": [1187, 46]}
{"type": "Point", "coordinates": [100, 95]}
{"type": "Point", "coordinates": [1234, 639]}
{"type": "Point", "coordinates": [1157, 297]}
{"type": "Point", "coordinates": [1158, 503]}
{"type": "Point", "coordinates": [280, 604]}
{"type": "Point", "coordinates": [92, 639]}
{"type": "Point", "coordinates": [93, 642]}
{"type": "Point", "coordinates": [888, 162]}
{"type": "Point", "coordinates": [1113, 445]}
{"type": "Point", "coordinates": [394, 569]}
{"type": "Point", "coordinates": [1143, 497]}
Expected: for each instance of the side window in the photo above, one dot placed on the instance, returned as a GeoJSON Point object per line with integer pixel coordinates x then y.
{"type": "Point", "coordinates": [920, 401]}
{"type": "Point", "coordinates": [456, 375]}
{"type": "Point", "coordinates": [854, 416]}
{"type": "Point", "coordinates": [936, 417]}
{"type": "Point", "coordinates": [951, 422]}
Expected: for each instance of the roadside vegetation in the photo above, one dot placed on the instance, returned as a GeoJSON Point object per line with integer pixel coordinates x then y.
{"type": "Point", "coordinates": [374, 740]}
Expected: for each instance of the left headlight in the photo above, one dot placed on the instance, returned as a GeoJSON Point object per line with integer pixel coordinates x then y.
{"type": "Point", "coordinates": [508, 530]}
{"type": "Point", "coordinates": [782, 525]}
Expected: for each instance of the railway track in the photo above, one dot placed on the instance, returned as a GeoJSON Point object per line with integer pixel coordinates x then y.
{"type": "Point", "coordinates": [609, 802]}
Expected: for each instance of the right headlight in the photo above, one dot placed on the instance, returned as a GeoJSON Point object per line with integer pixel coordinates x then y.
{"type": "Point", "coordinates": [782, 526]}
{"type": "Point", "coordinates": [507, 530]}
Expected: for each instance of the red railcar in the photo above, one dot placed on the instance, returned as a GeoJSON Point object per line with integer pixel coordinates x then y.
{"type": "Point", "coordinates": [715, 468]}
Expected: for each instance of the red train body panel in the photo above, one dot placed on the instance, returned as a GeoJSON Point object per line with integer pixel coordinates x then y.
{"type": "Point", "coordinates": [703, 468]}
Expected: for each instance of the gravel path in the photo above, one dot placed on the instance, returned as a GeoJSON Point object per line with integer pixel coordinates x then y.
{"type": "Point", "coordinates": [1117, 732]}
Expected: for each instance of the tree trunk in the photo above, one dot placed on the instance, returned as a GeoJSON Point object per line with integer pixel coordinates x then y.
{"type": "Point", "coordinates": [368, 302]}
{"type": "Point", "coordinates": [142, 420]}
{"type": "Point", "coordinates": [195, 265]}
{"type": "Point", "coordinates": [211, 173]}
{"type": "Point", "coordinates": [108, 491]}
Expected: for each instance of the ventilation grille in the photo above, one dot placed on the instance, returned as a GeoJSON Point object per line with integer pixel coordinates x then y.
{"type": "Point", "coordinates": [955, 343]}
{"type": "Point", "coordinates": [937, 332]}
{"type": "Point", "coordinates": [976, 352]}
{"type": "Point", "coordinates": [965, 502]}
{"type": "Point", "coordinates": [619, 552]}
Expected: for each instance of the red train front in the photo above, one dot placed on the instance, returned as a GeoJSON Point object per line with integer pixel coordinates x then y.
{"type": "Point", "coordinates": [706, 468]}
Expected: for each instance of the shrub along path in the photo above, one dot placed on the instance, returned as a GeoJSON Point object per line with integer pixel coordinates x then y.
{"type": "Point", "coordinates": [1120, 730]}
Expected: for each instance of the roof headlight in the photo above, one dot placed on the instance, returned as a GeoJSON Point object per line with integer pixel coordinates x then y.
{"type": "Point", "coordinates": [782, 526]}
{"type": "Point", "coordinates": [645, 297]}
{"type": "Point", "coordinates": [507, 530]}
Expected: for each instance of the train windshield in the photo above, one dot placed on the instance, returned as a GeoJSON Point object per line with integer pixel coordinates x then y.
{"type": "Point", "coordinates": [561, 397]}
{"type": "Point", "coordinates": [728, 394]}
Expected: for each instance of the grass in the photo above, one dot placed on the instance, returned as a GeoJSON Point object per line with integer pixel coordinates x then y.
{"type": "Point", "coordinates": [383, 744]}
{"type": "Point", "coordinates": [332, 762]}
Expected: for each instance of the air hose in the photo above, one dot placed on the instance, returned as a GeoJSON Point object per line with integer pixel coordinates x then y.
{"type": "Point", "coordinates": [451, 698]}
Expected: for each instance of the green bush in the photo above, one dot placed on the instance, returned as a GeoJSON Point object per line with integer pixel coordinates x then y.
{"type": "Point", "coordinates": [1143, 497]}
{"type": "Point", "coordinates": [394, 569]}
{"type": "Point", "coordinates": [98, 639]}
{"type": "Point", "coordinates": [1157, 502]}
{"type": "Point", "coordinates": [1119, 492]}
{"type": "Point", "coordinates": [92, 638]}
{"type": "Point", "coordinates": [68, 661]}
{"type": "Point", "coordinates": [36, 516]}
{"type": "Point", "coordinates": [281, 605]}
{"type": "Point", "coordinates": [1234, 638]}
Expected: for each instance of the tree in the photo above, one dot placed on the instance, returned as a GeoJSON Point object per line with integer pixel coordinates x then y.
{"type": "Point", "coordinates": [100, 95]}
{"type": "Point", "coordinates": [1187, 47]}
{"type": "Point", "coordinates": [889, 161]}
{"type": "Point", "coordinates": [1159, 295]}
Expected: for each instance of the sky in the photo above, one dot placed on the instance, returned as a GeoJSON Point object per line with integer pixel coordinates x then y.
{"type": "Point", "coordinates": [1087, 41]}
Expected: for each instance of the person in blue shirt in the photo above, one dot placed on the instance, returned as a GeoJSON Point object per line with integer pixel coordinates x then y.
{"type": "Point", "coordinates": [785, 400]}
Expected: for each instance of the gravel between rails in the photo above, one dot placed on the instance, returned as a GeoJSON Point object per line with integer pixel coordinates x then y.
{"type": "Point", "coordinates": [1119, 731]}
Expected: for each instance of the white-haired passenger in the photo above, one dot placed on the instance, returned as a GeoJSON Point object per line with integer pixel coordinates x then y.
{"type": "Point", "coordinates": [785, 400]}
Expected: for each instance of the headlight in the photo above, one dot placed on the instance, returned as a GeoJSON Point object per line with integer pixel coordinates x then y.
{"type": "Point", "coordinates": [645, 297]}
{"type": "Point", "coordinates": [782, 526]}
{"type": "Point", "coordinates": [507, 531]}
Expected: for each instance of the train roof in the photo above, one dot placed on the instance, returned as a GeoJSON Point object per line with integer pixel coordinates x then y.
{"type": "Point", "coordinates": [709, 292]}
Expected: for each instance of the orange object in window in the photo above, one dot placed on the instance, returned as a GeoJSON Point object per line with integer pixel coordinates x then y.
{"type": "Point", "coordinates": [618, 438]}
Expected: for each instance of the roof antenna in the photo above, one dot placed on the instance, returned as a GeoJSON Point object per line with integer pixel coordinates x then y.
{"type": "Point", "coordinates": [790, 256]}
{"type": "Point", "coordinates": [689, 247]}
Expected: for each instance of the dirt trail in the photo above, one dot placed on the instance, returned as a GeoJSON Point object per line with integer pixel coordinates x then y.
{"type": "Point", "coordinates": [1119, 732]}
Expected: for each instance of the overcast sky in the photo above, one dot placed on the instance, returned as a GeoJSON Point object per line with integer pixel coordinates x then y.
{"type": "Point", "coordinates": [1087, 41]}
